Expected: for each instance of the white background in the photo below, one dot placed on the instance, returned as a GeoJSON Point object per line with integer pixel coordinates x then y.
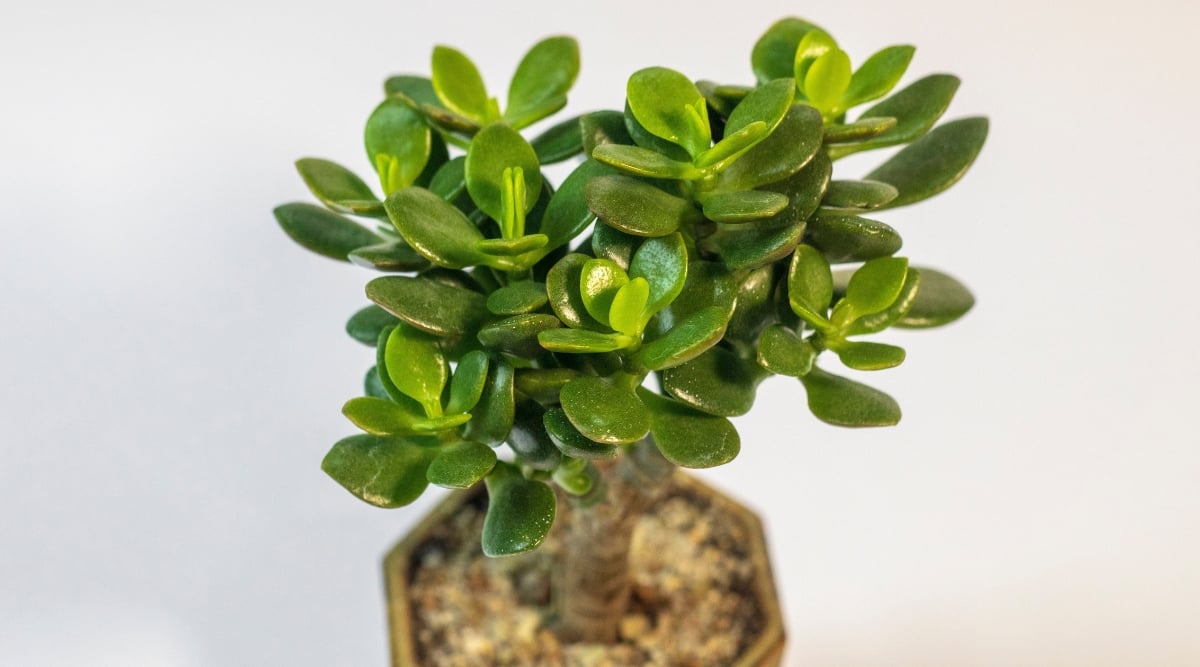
{"type": "Point", "coordinates": [173, 366]}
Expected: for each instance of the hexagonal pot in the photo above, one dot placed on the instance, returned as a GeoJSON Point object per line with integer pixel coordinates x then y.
{"type": "Point", "coordinates": [765, 650]}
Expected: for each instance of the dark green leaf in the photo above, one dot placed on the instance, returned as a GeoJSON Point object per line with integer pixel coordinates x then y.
{"type": "Point", "coordinates": [459, 86]}
{"type": "Point", "coordinates": [916, 108]}
{"type": "Point", "coordinates": [716, 382]}
{"type": "Point", "coordinates": [688, 437]}
{"type": "Point", "coordinates": [518, 334]}
{"type": "Point", "coordinates": [781, 351]}
{"type": "Point", "coordinates": [391, 256]}
{"type": "Point", "coordinates": [517, 298]}
{"type": "Point", "coordinates": [561, 142]}
{"type": "Point", "coordinates": [858, 194]}
{"type": "Point", "coordinates": [744, 206]}
{"type": "Point", "coordinates": [567, 214]}
{"type": "Point", "coordinates": [755, 308]}
{"type": "Point", "coordinates": [385, 472]}
{"type": "Point", "coordinates": [529, 440]}
{"type": "Point", "coordinates": [940, 300]}
{"type": "Point", "coordinates": [519, 515]}
{"type": "Point", "coordinates": [495, 148]}
{"type": "Point", "coordinates": [662, 261]}
{"type": "Point", "coordinates": [417, 88]}
{"type": "Point", "coordinates": [708, 284]}
{"type": "Point", "coordinates": [603, 127]}
{"type": "Point", "coordinates": [644, 162]}
{"type": "Point", "coordinates": [512, 247]}
{"type": "Point", "coordinates": [450, 181]}
{"type": "Point", "coordinates": [878, 75]}
{"type": "Point", "coordinates": [934, 162]}
{"type": "Point", "coordinates": [366, 325]}
{"type": "Point", "coordinates": [428, 305]}
{"type": "Point", "coordinates": [869, 356]}
{"type": "Point", "coordinates": [570, 441]}
{"type": "Point", "coordinates": [842, 402]}
{"type": "Point", "coordinates": [860, 130]}
{"type": "Point", "coordinates": [540, 85]}
{"type": "Point", "coordinates": [613, 244]}
{"type": "Point", "coordinates": [668, 105]}
{"type": "Point", "coordinates": [775, 52]}
{"type": "Point", "coordinates": [687, 340]}
{"type": "Point", "coordinates": [416, 367]}
{"type": "Point", "coordinates": [810, 284]}
{"type": "Point", "coordinates": [434, 228]}
{"type": "Point", "coordinates": [339, 188]}
{"type": "Point", "coordinates": [804, 190]}
{"type": "Point", "coordinates": [492, 417]}
{"type": "Point", "coordinates": [372, 386]}
{"type": "Point", "coordinates": [599, 282]}
{"type": "Point", "coordinates": [581, 341]}
{"type": "Point", "coordinates": [605, 411]}
{"type": "Point", "coordinates": [543, 384]}
{"type": "Point", "coordinates": [848, 238]}
{"type": "Point", "coordinates": [563, 288]}
{"type": "Point", "coordinates": [636, 207]}
{"type": "Point", "coordinates": [398, 144]}
{"type": "Point", "coordinates": [783, 153]}
{"type": "Point", "coordinates": [322, 231]}
{"type": "Point", "coordinates": [466, 385]}
{"type": "Point", "coordinates": [460, 466]}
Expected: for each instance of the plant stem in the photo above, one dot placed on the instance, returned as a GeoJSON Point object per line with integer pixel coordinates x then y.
{"type": "Point", "coordinates": [593, 583]}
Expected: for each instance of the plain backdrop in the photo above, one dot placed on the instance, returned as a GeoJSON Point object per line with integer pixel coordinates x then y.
{"type": "Point", "coordinates": [172, 366]}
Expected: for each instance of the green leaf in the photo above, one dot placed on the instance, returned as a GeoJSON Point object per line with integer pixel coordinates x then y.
{"type": "Point", "coordinates": [372, 386]}
{"type": "Point", "coordinates": [543, 384]}
{"type": "Point", "coordinates": [916, 108]}
{"type": "Point", "coordinates": [940, 300]}
{"type": "Point", "coordinates": [438, 231]}
{"type": "Point", "coordinates": [466, 385]}
{"type": "Point", "coordinates": [842, 402]}
{"type": "Point", "coordinates": [687, 340]}
{"type": "Point", "coordinates": [339, 188]}
{"type": "Point", "coordinates": [582, 341]}
{"type": "Point", "coordinates": [848, 238]}
{"type": "Point", "coordinates": [512, 247]}
{"type": "Point", "coordinates": [814, 45]}
{"type": "Point", "coordinates": [492, 417]}
{"type": "Point", "coordinates": [459, 86]}
{"type": "Point", "coordinates": [599, 282]}
{"type": "Point", "coordinates": [460, 466]}
{"type": "Point", "coordinates": [755, 307]}
{"type": "Point", "coordinates": [450, 180]}
{"type": "Point", "coordinates": [628, 305]}
{"type": "Point", "coordinates": [934, 162]}
{"type": "Point", "coordinates": [644, 138]}
{"type": "Point", "coordinates": [688, 437]}
{"type": "Point", "coordinates": [858, 195]}
{"type": "Point", "coordinates": [517, 298]}
{"type": "Point", "coordinates": [783, 153]}
{"type": "Point", "coordinates": [878, 75]}
{"type": "Point", "coordinates": [385, 472]}
{"type": "Point", "coordinates": [708, 284]}
{"type": "Point", "coordinates": [636, 207]}
{"type": "Point", "coordinates": [644, 162]}
{"type": "Point", "coordinates": [768, 103]}
{"type": "Point", "coordinates": [571, 442]}
{"type": "Point", "coordinates": [603, 127]}
{"type": "Point", "coordinates": [731, 147]}
{"type": "Point", "coordinates": [384, 378]}
{"type": "Point", "coordinates": [322, 231]}
{"type": "Point", "coordinates": [540, 85]}
{"type": "Point", "coordinates": [865, 356]}
{"type": "Point", "coordinates": [366, 325]}
{"type": "Point", "coordinates": [744, 206]}
{"type": "Point", "coordinates": [885, 318]}
{"type": "Point", "coordinates": [605, 411]}
{"type": "Point", "coordinates": [662, 262]}
{"type": "Point", "coordinates": [613, 244]}
{"type": "Point", "coordinates": [781, 351]}
{"type": "Point", "coordinates": [567, 214]}
{"type": "Point", "coordinates": [398, 144]}
{"type": "Point", "coordinates": [390, 256]}
{"type": "Point", "coordinates": [529, 440]}
{"type": "Point", "coordinates": [775, 52]}
{"type": "Point", "coordinates": [668, 105]}
{"type": "Point", "coordinates": [805, 189]}
{"type": "Point", "coordinates": [433, 307]}
{"type": "Point", "coordinates": [860, 130]}
{"type": "Point", "coordinates": [873, 287]}
{"type": "Point", "coordinates": [826, 81]}
{"type": "Point", "coordinates": [563, 288]}
{"type": "Point", "coordinates": [379, 416]}
{"type": "Point", "coordinates": [722, 98]}
{"type": "Point", "coordinates": [518, 334]}
{"type": "Point", "coordinates": [498, 147]}
{"type": "Point", "coordinates": [716, 382]}
{"type": "Point", "coordinates": [560, 142]}
{"type": "Point", "coordinates": [810, 285]}
{"type": "Point", "coordinates": [416, 367]}
{"type": "Point", "coordinates": [519, 515]}
{"type": "Point", "coordinates": [417, 88]}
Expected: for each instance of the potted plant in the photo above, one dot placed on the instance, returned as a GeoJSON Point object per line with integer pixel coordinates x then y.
{"type": "Point", "coordinates": [567, 346]}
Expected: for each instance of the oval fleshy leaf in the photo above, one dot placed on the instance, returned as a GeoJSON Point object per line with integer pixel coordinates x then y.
{"type": "Point", "coordinates": [662, 261]}
{"type": "Point", "coordinates": [390, 256]}
{"type": "Point", "coordinates": [744, 206]}
{"type": "Point", "coordinates": [466, 385]}
{"type": "Point", "coordinates": [628, 305]}
{"type": "Point", "coordinates": [866, 356]}
{"type": "Point", "coordinates": [774, 53]}
{"type": "Point", "coordinates": [716, 382]}
{"type": "Point", "coordinates": [519, 515]}
{"type": "Point", "coordinates": [687, 340]}
{"type": "Point", "coordinates": [940, 300]}
{"type": "Point", "coordinates": [873, 287]}
{"type": "Point", "coordinates": [560, 142]}
{"type": "Point", "coordinates": [604, 411]}
{"type": "Point", "coordinates": [599, 282]}
{"type": "Point", "coordinates": [563, 289]}
{"type": "Point", "coordinates": [416, 367]}
{"type": "Point", "coordinates": [517, 298]}
{"type": "Point", "coordinates": [603, 127]}
{"type": "Point", "coordinates": [889, 316]}
{"type": "Point", "coordinates": [644, 162]}
{"type": "Point", "coordinates": [781, 351]}
{"type": "Point", "coordinates": [567, 214]}
{"type": "Point", "coordinates": [460, 466]}
{"type": "Point", "coordinates": [783, 153]}
{"type": "Point", "coordinates": [812, 47]}
{"type": "Point", "coordinates": [379, 416]}
{"type": "Point", "coordinates": [450, 180]}
{"type": "Point", "coordinates": [688, 437]}
{"type": "Point", "coordinates": [644, 138]}
{"type": "Point", "coordinates": [518, 334]}
{"type": "Point", "coordinates": [433, 307]}
{"type": "Point", "coordinates": [842, 402]}
{"type": "Point", "coordinates": [383, 471]}
{"type": "Point", "coordinates": [492, 416]}
{"type": "Point", "coordinates": [860, 130]}
{"type": "Point", "coordinates": [636, 207]}
{"type": "Point", "coordinates": [435, 229]}
{"type": "Point", "coordinates": [339, 188]}
{"type": "Point", "coordinates": [849, 238]}
{"type": "Point", "coordinates": [539, 86]}
{"type": "Point", "coordinates": [810, 285]}
{"type": "Point", "coordinates": [529, 440]}
{"type": "Point", "coordinates": [916, 108]}
{"type": "Point", "coordinates": [858, 195]}
{"type": "Point", "coordinates": [366, 325]}
{"type": "Point", "coordinates": [459, 85]}
{"type": "Point", "coordinates": [668, 105]}
{"type": "Point", "coordinates": [323, 231]}
{"type": "Point", "coordinates": [495, 148]}
{"type": "Point", "coordinates": [768, 103]}
{"type": "Point", "coordinates": [826, 80]}
{"type": "Point", "coordinates": [571, 442]}
{"type": "Point", "coordinates": [398, 144]}
{"type": "Point", "coordinates": [934, 162]}
{"type": "Point", "coordinates": [878, 75]}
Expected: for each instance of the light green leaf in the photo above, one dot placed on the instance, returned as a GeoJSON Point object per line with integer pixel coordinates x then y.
{"type": "Point", "coordinates": [466, 385]}
{"type": "Point", "coordinates": [625, 314]}
{"type": "Point", "coordinates": [460, 466]}
{"type": "Point", "coordinates": [783, 153]}
{"type": "Point", "coordinates": [768, 103]}
{"type": "Point", "coordinates": [827, 80]}
{"type": "Point", "coordinates": [814, 45]}
{"type": "Point", "coordinates": [398, 144]}
{"type": "Point", "coordinates": [878, 75]}
{"type": "Point", "coordinates": [873, 287]}
{"type": "Point", "coordinates": [379, 416]}
{"type": "Point", "coordinates": [668, 105]}
{"type": "Point", "coordinates": [582, 341]}
{"type": "Point", "coordinates": [339, 188]}
{"type": "Point", "coordinates": [843, 402]}
{"type": "Point", "coordinates": [688, 437]}
{"type": "Point", "coordinates": [322, 231]}
{"type": "Point", "coordinates": [416, 367]}
{"type": "Point", "coordinates": [605, 411]}
{"type": "Point", "coordinates": [563, 283]}
{"type": "Point", "coordinates": [459, 85]}
{"type": "Point", "coordinates": [934, 162]}
{"type": "Point", "coordinates": [385, 472]}
{"type": "Point", "coordinates": [731, 147]}
{"type": "Point", "coordinates": [662, 262]}
{"type": "Point", "coordinates": [810, 285]}
{"type": "Point", "coordinates": [540, 85]}
{"type": "Point", "coordinates": [496, 148]}
{"type": "Point", "coordinates": [599, 282]}
{"type": "Point", "coordinates": [644, 162]}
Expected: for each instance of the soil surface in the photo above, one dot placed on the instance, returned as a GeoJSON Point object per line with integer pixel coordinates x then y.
{"type": "Point", "coordinates": [692, 603]}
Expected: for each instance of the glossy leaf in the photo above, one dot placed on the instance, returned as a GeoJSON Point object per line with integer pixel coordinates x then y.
{"type": "Point", "coordinates": [716, 382]}
{"type": "Point", "coordinates": [540, 85]}
{"type": "Point", "coordinates": [417, 88]}
{"type": "Point", "coordinates": [708, 284]}
{"type": "Point", "coordinates": [543, 384]}
{"type": "Point", "coordinates": [916, 108]}
{"type": "Point", "coordinates": [390, 256]}
{"type": "Point", "coordinates": [688, 437]}
{"type": "Point", "coordinates": [563, 289]}
{"type": "Point", "coordinates": [398, 144]}
{"type": "Point", "coordinates": [687, 340]}
{"type": "Point", "coordinates": [628, 304]}
{"type": "Point", "coordinates": [774, 53]}
{"type": "Point", "coordinates": [826, 80]}
{"type": "Point", "coordinates": [379, 416]}
{"type": "Point", "coordinates": [644, 138]}
{"type": "Point", "coordinates": [492, 417]}
{"type": "Point", "coordinates": [519, 515]}
{"type": "Point", "coordinates": [810, 284]}
{"type": "Point", "coordinates": [940, 300]}
{"type": "Point", "coordinates": [781, 351]}
{"type": "Point", "coordinates": [460, 466]}
{"type": "Point", "coordinates": [744, 206]}
{"type": "Point", "coordinates": [644, 162]}
{"type": "Point", "coordinates": [768, 103]}
{"type": "Point", "coordinates": [450, 181]}
{"type": "Point", "coordinates": [529, 440]}
{"type": "Point", "coordinates": [812, 47]}
{"type": "Point", "coordinates": [878, 75]}
{"type": "Point", "coordinates": [384, 378]}
{"type": "Point", "coordinates": [605, 411]}
{"type": "Point", "coordinates": [366, 325]}
{"type": "Point", "coordinates": [322, 231]}
{"type": "Point", "coordinates": [517, 298]}
{"type": "Point", "coordinates": [889, 316]}
{"type": "Point", "coordinates": [603, 127]}
{"type": "Point", "coordinates": [433, 307]}
{"type": "Point", "coordinates": [459, 85]}
{"type": "Point", "coordinates": [518, 334]}
{"type": "Point", "coordinates": [560, 142]}
{"type": "Point", "coordinates": [466, 385]}
{"type": "Point", "coordinates": [636, 207]}
{"type": "Point", "coordinates": [339, 188]}
{"type": "Point", "coordinates": [755, 307]}
{"type": "Point", "coordinates": [385, 472]}
{"type": "Point", "coordinates": [668, 105]}
{"type": "Point", "coordinates": [498, 147]}
{"type": "Point", "coordinates": [599, 282]}
{"type": "Point", "coordinates": [783, 153]}
{"type": "Point", "coordinates": [435, 229]}
{"type": "Point", "coordinates": [934, 162]}
{"type": "Point", "coordinates": [416, 367]}
{"type": "Point", "coordinates": [567, 214]}
{"type": "Point", "coordinates": [731, 147]}
{"type": "Point", "coordinates": [865, 356]}
{"type": "Point", "coordinates": [842, 402]}
{"type": "Point", "coordinates": [849, 238]}
{"type": "Point", "coordinates": [805, 189]}
{"type": "Point", "coordinates": [859, 130]}
{"type": "Point", "coordinates": [662, 262]}
{"type": "Point", "coordinates": [873, 287]}
{"type": "Point", "coordinates": [582, 341]}
{"type": "Point", "coordinates": [613, 244]}
{"type": "Point", "coordinates": [571, 442]}
{"type": "Point", "coordinates": [858, 195]}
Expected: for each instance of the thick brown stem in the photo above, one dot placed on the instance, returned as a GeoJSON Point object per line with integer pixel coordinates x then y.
{"type": "Point", "coordinates": [593, 582]}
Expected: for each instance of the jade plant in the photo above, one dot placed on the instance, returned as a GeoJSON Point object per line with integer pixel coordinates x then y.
{"type": "Point", "coordinates": [569, 344]}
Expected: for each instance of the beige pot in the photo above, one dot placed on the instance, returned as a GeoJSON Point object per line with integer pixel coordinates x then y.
{"type": "Point", "coordinates": [764, 651]}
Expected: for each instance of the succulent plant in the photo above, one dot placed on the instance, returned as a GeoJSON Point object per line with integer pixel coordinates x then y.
{"type": "Point", "coordinates": [636, 305]}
